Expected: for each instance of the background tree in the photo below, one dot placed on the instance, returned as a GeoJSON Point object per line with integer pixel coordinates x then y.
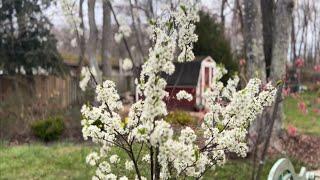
{"type": "Point", "coordinates": [277, 25]}
{"type": "Point", "coordinates": [281, 36]}
{"type": "Point", "coordinates": [212, 42]}
{"type": "Point", "coordinates": [74, 17]}
{"type": "Point", "coordinates": [254, 40]}
{"type": "Point", "coordinates": [81, 36]}
{"type": "Point", "coordinates": [267, 27]}
{"type": "Point", "coordinates": [26, 40]}
{"type": "Point", "coordinates": [106, 40]}
{"type": "Point", "coordinates": [93, 39]}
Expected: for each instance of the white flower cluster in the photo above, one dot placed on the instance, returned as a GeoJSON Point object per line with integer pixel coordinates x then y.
{"type": "Point", "coordinates": [114, 159]}
{"type": "Point", "coordinates": [177, 155]}
{"type": "Point", "coordinates": [102, 124]}
{"type": "Point", "coordinates": [92, 158]}
{"type": "Point", "coordinates": [124, 31]}
{"type": "Point", "coordinates": [70, 11]}
{"type": "Point", "coordinates": [129, 165]}
{"type": "Point", "coordinates": [231, 112]}
{"type": "Point", "coordinates": [74, 42]}
{"type": "Point", "coordinates": [85, 78]}
{"type": "Point", "coordinates": [34, 70]}
{"type": "Point", "coordinates": [127, 64]}
{"type": "Point", "coordinates": [184, 15]}
{"type": "Point", "coordinates": [184, 95]}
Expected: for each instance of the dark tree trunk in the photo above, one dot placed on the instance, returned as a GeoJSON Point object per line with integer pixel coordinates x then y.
{"type": "Point", "coordinates": [293, 39]}
{"type": "Point", "coordinates": [267, 21]}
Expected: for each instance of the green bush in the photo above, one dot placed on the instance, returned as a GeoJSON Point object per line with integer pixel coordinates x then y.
{"type": "Point", "coordinates": [48, 129]}
{"type": "Point", "coordinates": [180, 117]}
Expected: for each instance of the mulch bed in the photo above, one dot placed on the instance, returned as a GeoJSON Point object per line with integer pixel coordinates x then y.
{"type": "Point", "coordinates": [305, 148]}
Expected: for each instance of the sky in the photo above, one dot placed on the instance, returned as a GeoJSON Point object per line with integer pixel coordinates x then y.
{"type": "Point", "coordinates": [56, 16]}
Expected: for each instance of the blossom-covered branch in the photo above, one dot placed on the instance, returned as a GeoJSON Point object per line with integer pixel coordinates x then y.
{"type": "Point", "coordinates": [171, 155]}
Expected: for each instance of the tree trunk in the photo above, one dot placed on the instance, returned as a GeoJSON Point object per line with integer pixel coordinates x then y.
{"type": "Point", "coordinates": [293, 39]}
{"type": "Point", "coordinates": [281, 36]}
{"type": "Point", "coordinates": [222, 17]}
{"type": "Point", "coordinates": [254, 40]}
{"type": "Point", "coordinates": [81, 38]}
{"type": "Point", "coordinates": [106, 40]}
{"type": "Point", "coordinates": [93, 39]}
{"type": "Point", "coordinates": [267, 21]}
{"type": "Point", "coordinates": [236, 32]}
{"type": "Point", "coordinates": [137, 32]}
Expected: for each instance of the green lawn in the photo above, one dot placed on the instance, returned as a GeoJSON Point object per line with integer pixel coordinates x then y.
{"type": "Point", "coordinates": [306, 123]}
{"type": "Point", "coordinates": [67, 161]}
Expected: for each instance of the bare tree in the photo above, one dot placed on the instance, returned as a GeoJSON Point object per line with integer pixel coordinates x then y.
{"type": "Point", "coordinates": [106, 40]}
{"type": "Point", "coordinates": [93, 39]}
{"type": "Point", "coordinates": [222, 8]}
{"type": "Point", "coordinates": [236, 32]}
{"type": "Point", "coordinates": [281, 40]}
{"type": "Point", "coordinates": [254, 40]}
{"type": "Point", "coordinates": [293, 39]}
{"type": "Point", "coordinates": [81, 36]}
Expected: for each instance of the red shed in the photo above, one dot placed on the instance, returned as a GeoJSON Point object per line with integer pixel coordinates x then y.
{"type": "Point", "coordinates": [193, 77]}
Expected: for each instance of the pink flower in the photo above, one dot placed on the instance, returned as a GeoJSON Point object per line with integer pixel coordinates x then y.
{"type": "Point", "coordinates": [292, 131]}
{"type": "Point", "coordinates": [242, 62]}
{"type": "Point", "coordinates": [302, 107]}
{"type": "Point", "coordinates": [295, 95]}
{"type": "Point", "coordinates": [299, 62]}
{"type": "Point", "coordinates": [316, 110]}
{"type": "Point", "coordinates": [286, 91]}
{"type": "Point", "coordinates": [317, 68]}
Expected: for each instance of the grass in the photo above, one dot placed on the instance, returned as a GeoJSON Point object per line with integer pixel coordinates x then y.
{"type": "Point", "coordinates": [306, 123]}
{"type": "Point", "coordinates": [67, 161]}
{"type": "Point", "coordinates": [59, 161]}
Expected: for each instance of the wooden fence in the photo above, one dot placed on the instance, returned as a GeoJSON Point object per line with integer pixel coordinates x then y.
{"type": "Point", "coordinates": [44, 88]}
{"type": "Point", "coordinates": [64, 91]}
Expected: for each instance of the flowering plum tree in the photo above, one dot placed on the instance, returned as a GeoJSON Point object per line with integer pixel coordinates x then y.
{"type": "Point", "coordinates": [170, 154]}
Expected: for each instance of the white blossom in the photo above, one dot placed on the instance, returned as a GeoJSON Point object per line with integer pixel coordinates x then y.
{"type": "Point", "coordinates": [129, 165]}
{"type": "Point", "coordinates": [92, 158]}
{"type": "Point", "coordinates": [114, 159]}
{"type": "Point", "coordinates": [146, 158]}
{"type": "Point", "coordinates": [124, 31]}
{"type": "Point", "coordinates": [127, 64]}
{"type": "Point", "coordinates": [111, 177]}
{"type": "Point", "coordinates": [182, 94]}
{"type": "Point", "coordinates": [123, 178]}
{"type": "Point", "coordinates": [74, 42]}
{"type": "Point", "coordinates": [85, 77]}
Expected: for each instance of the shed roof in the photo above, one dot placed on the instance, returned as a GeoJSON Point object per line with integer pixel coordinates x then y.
{"type": "Point", "coordinates": [185, 74]}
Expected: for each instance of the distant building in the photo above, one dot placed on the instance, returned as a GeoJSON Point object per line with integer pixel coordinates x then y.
{"type": "Point", "coordinates": [193, 77]}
